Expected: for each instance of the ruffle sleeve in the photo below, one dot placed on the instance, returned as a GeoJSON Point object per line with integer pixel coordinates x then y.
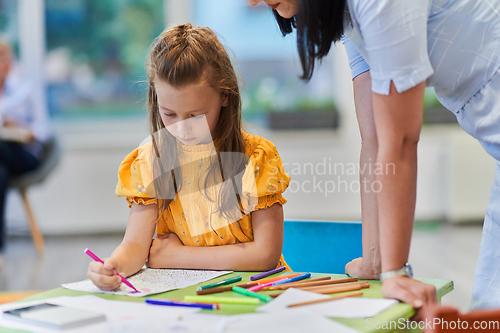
{"type": "Point", "coordinates": [135, 177]}
{"type": "Point", "coordinates": [265, 179]}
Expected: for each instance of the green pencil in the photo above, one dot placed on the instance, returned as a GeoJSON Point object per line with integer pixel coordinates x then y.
{"type": "Point", "coordinates": [246, 292]}
{"type": "Point", "coordinates": [220, 283]}
{"type": "Point", "coordinates": [220, 299]}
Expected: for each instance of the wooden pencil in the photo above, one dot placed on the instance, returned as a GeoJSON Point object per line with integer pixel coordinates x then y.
{"type": "Point", "coordinates": [324, 278]}
{"type": "Point", "coordinates": [333, 289]}
{"type": "Point", "coordinates": [310, 283]}
{"type": "Point", "coordinates": [358, 293]}
{"type": "Point", "coordinates": [223, 289]}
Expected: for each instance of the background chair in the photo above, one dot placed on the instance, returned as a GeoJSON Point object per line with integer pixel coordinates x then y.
{"type": "Point", "coordinates": [50, 157]}
{"type": "Point", "coordinates": [321, 246]}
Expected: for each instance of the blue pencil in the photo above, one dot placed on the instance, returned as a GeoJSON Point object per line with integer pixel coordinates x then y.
{"type": "Point", "coordinates": [208, 306]}
{"type": "Point", "coordinates": [297, 278]}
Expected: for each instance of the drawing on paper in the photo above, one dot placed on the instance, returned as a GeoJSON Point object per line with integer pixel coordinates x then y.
{"type": "Point", "coordinates": [152, 281]}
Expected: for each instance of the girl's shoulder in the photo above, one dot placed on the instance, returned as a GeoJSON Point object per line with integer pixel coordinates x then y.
{"type": "Point", "coordinates": [135, 173]}
{"type": "Point", "coordinates": [255, 144]}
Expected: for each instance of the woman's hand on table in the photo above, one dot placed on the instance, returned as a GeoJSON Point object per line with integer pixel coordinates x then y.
{"type": "Point", "coordinates": [104, 275]}
{"type": "Point", "coordinates": [362, 269]}
{"type": "Point", "coordinates": [410, 291]}
{"type": "Point", "coordinates": [163, 249]}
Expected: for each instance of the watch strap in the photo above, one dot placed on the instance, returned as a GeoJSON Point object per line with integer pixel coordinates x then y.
{"type": "Point", "coordinates": [405, 271]}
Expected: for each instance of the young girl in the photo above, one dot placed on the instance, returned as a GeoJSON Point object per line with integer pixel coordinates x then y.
{"type": "Point", "coordinates": [202, 182]}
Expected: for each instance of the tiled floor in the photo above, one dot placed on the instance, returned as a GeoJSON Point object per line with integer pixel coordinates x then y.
{"type": "Point", "coordinates": [438, 251]}
{"type": "Point", "coordinates": [64, 260]}
{"type": "Point", "coordinates": [446, 251]}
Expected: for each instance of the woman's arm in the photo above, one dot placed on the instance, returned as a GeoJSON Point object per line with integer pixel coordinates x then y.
{"type": "Point", "coordinates": [398, 119]}
{"type": "Point", "coordinates": [367, 267]}
{"type": "Point", "coordinates": [261, 254]}
{"type": "Point", "coordinates": [132, 253]}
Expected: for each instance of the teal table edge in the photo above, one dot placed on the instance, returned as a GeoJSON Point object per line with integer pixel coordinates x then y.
{"type": "Point", "coordinates": [399, 312]}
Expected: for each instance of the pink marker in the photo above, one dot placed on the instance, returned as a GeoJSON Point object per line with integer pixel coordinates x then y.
{"type": "Point", "coordinates": [96, 258]}
{"type": "Point", "coordinates": [268, 284]}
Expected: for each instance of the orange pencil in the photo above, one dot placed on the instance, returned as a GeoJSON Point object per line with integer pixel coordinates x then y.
{"type": "Point", "coordinates": [358, 293]}
{"type": "Point", "coordinates": [310, 283]}
{"type": "Point", "coordinates": [333, 289]}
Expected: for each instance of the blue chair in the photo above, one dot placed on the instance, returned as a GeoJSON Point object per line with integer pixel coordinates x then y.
{"type": "Point", "coordinates": [321, 246]}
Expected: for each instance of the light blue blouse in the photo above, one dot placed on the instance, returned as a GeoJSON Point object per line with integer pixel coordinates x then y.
{"type": "Point", "coordinates": [18, 104]}
{"type": "Point", "coordinates": [453, 44]}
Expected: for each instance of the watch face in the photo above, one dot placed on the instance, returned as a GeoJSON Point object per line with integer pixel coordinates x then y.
{"type": "Point", "coordinates": [409, 270]}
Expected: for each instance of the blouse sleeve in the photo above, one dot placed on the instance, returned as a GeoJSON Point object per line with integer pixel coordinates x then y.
{"type": "Point", "coordinates": [395, 39]}
{"type": "Point", "coordinates": [265, 179]}
{"type": "Point", "coordinates": [134, 178]}
{"type": "Point", "coordinates": [356, 61]}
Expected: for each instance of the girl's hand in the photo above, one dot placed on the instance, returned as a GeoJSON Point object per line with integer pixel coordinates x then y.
{"type": "Point", "coordinates": [362, 269]}
{"type": "Point", "coordinates": [104, 275]}
{"type": "Point", "coordinates": [163, 251]}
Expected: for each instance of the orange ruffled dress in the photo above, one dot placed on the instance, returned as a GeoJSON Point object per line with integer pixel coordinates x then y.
{"type": "Point", "coordinates": [200, 225]}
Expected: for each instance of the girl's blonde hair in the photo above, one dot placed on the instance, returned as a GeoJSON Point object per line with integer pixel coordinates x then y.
{"type": "Point", "coordinates": [185, 55]}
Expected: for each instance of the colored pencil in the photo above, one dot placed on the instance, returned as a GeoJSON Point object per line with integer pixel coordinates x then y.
{"type": "Point", "coordinates": [219, 299]}
{"type": "Point", "coordinates": [358, 293]}
{"type": "Point", "coordinates": [310, 283]}
{"type": "Point", "coordinates": [333, 289]}
{"type": "Point", "coordinates": [223, 289]}
{"type": "Point", "coordinates": [220, 283]}
{"type": "Point", "coordinates": [324, 278]}
{"type": "Point", "coordinates": [294, 279]}
{"type": "Point", "coordinates": [265, 274]}
{"type": "Point", "coordinates": [263, 285]}
{"type": "Point", "coordinates": [276, 278]}
{"type": "Point", "coordinates": [249, 293]}
{"type": "Point", "coordinates": [96, 258]}
{"type": "Point", "coordinates": [243, 285]}
{"type": "Point", "coordinates": [208, 306]}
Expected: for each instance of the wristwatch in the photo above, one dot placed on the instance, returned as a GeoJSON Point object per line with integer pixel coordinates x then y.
{"type": "Point", "coordinates": [405, 271]}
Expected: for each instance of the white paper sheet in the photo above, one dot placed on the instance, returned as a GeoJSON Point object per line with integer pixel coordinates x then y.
{"type": "Point", "coordinates": [352, 307]}
{"type": "Point", "coordinates": [118, 314]}
{"type": "Point", "coordinates": [192, 323]}
{"type": "Point", "coordinates": [152, 281]}
{"type": "Point", "coordinates": [292, 321]}
{"type": "Point", "coordinates": [125, 317]}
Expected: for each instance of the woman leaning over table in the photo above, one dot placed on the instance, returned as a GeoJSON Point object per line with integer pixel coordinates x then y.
{"type": "Point", "coordinates": [395, 49]}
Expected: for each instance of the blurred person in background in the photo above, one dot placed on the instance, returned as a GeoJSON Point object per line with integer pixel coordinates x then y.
{"type": "Point", "coordinates": [395, 49]}
{"type": "Point", "coordinates": [24, 127]}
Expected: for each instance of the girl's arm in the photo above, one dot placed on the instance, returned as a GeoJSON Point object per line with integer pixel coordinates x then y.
{"type": "Point", "coordinates": [398, 119]}
{"type": "Point", "coordinates": [260, 255]}
{"type": "Point", "coordinates": [132, 253]}
{"type": "Point", "coordinates": [369, 266]}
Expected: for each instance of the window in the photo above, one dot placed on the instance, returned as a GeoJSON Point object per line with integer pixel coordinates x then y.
{"type": "Point", "coordinates": [96, 51]}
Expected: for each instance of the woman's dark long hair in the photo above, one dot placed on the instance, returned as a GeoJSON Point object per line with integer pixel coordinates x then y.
{"type": "Point", "coordinates": [319, 23]}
